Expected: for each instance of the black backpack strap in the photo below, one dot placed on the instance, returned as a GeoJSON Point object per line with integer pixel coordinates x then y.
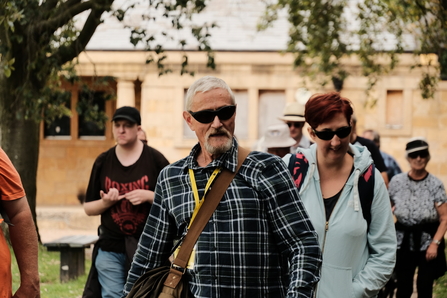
{"type": "Point", "coordinates": [298, 167]}
{"type": "Point", "coordinates": [291, 164]}
{"type": "Point", "coordinates": [366, 192]}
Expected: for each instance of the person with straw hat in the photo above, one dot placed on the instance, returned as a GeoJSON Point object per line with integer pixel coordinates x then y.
{"type": "Point", "coordinates": [293, 116]}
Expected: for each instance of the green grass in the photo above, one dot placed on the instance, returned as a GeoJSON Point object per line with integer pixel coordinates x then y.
{"type": "Point", "coordinates": [50, 285]}
{"type": "Point", "coordinates": [440, 288]}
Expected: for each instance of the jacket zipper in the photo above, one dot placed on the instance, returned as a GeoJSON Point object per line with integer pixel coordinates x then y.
{"type": "Point", "coordinates": [326, 229]}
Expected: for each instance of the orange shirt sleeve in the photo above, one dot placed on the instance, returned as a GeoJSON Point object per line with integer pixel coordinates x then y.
{"type": "Point", "coordinates": [10, 184]}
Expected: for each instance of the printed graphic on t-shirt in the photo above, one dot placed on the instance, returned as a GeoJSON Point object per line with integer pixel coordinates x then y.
{"type": "Point", "coordinates": [126, 215]}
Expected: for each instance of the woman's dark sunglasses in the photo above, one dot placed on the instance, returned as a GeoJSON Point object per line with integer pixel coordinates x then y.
{"type": "Point", "coordinates": [422, 154]}
{"type": "Point", "coordinates": [327, 135]}
{"type": "Point", "coordinates": [207, 116]}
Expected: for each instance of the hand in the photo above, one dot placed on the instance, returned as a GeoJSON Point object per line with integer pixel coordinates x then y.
{"type": "Point", "coordinates": [111, 197]}
{"type": "Point", "coordinates": [432, 252]}
{"type": "Point", "coordinates": [27, 292]}
{"type": "Point", "coordinates": [139, 196]}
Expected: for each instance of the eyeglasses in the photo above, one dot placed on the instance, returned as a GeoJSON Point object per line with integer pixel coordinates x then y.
{"type": "Point", "coordinates": [207, 116]}
{"type": "Point", "coordinates": [327, 135]}
{"type": "Point", "coordinates": [295, 124]}
{"type": "Point", "coordinates": [422, 154]}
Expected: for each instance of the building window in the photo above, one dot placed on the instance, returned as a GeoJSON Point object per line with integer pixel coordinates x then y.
{"type": "Point", "coordinates": [91, 109]}
{"type": "Point", "coordinates": [394, 118]}
{"type": "Point", "coordinates": [60, 128]}
{"type": "Point", "coordinates": [271, 107]}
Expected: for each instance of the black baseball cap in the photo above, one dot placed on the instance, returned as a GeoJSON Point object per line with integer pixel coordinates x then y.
{"type": "Point", "coordinates": [416, 144]}
{"type": "Point", "coordinates": [128, 113]}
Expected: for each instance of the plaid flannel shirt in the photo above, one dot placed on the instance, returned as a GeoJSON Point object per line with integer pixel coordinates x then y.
{"type": "Point", "coordinates": [259, 241]}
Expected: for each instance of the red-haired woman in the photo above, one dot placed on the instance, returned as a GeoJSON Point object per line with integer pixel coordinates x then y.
{"type": "Point", "coordinates": [347, 202]}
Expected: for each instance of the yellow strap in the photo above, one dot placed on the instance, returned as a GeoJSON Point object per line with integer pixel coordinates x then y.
{"type": "Point", "coordinates": [196, 192]}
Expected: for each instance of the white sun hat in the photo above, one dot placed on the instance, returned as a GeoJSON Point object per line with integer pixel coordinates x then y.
{"type": "Point", "coordinates": [278, 136]}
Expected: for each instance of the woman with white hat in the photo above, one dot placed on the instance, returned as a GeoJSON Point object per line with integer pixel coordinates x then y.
{"type": "Point", "coordinates": [419, 201]}
{"type": "Point", "coordinates": [277, 140]}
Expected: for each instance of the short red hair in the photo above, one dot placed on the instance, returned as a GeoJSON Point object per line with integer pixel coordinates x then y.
{"type": "Point", "coordinates": [322, 107]}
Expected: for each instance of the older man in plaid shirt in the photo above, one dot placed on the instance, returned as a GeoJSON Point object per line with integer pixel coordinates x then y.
{"type": "Point", "coordinates": [259, 225]}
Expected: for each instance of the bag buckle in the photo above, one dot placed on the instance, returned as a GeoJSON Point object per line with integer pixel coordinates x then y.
{"type": "Point", "coordinates": [178, 268]}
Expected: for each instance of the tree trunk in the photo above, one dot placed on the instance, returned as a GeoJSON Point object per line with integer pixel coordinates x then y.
{"type": "Point", "coordinates": [19, 138]}
{"type": "Point", "coordinates": [442, 59]}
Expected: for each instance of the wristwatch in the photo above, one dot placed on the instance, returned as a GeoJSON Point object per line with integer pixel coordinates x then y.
{"type": "Point", "coordinates": [437, 242]}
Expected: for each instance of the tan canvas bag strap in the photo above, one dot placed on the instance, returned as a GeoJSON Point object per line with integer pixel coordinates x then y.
{"type": "Point", "coordinates": [211, 202]}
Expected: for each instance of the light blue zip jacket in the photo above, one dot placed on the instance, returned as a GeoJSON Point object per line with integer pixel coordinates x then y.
{"type": "Point", "coordinates": [356, 263]}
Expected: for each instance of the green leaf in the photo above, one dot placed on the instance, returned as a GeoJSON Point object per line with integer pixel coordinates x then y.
{"type": "Point", "coordinates": [7, 72]}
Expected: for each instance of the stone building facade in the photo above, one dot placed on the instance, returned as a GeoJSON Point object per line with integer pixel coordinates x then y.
{"type": "Point", "coordinates": [263, 83]}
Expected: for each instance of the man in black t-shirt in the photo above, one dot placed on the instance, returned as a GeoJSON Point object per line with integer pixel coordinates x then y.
{"type": "Point", "coordinates": [121, 190]}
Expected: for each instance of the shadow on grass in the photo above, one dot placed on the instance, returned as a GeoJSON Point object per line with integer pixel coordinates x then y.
{"type": "Point", "coordinates": [50, 285]}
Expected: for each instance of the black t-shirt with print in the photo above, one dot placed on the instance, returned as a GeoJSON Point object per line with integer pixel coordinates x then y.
{"type": "Point", "coordinates": [123, 219]}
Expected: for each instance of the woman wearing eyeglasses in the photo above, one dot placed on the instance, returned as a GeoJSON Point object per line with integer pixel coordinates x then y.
{"type": "Point", "coordinates": [347, 202]}
{"type": "Point", "coordinates": [419, 206]}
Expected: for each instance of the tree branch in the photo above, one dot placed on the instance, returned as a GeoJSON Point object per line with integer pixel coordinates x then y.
{"type": "Point", "coordinates": [61, 19]}
{"type": "Point", "coordinates": [66, 6]}
{"type": "Point", "coordinates": [49, 5]}
{"type": "Point", "coordinates": [68, 53]}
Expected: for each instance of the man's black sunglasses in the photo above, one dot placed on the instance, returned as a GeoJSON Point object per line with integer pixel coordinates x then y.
{"type": "Point", "coordinates": [422, 154]}
{"type": "Point", "coordinates": [295, 124]}
{"type": "Point", "coordinates": [327, 135]}
{"type": "Point", "coordinates": [207, 116]}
